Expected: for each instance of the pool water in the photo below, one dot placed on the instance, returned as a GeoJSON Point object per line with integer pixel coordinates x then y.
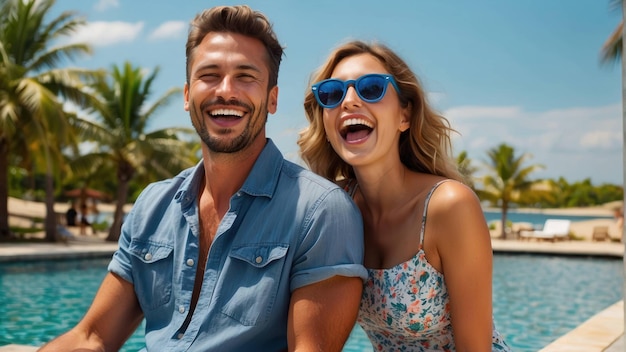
{"type": "Point", "coordinates": [536, 298]}
{"type": "Point", "coordinates": [537, 219]}
{"type": "Point", "coordinates": [540, 298]}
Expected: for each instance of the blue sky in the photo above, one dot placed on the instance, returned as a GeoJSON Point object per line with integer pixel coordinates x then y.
{"type": "Point", "coordinates": [522, 72]}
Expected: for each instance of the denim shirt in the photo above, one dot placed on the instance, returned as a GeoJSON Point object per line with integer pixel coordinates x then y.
{"type": "Point", "coordinates": [298, 229]}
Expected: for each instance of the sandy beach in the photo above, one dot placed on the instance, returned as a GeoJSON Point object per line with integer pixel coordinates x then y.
{"type": "Point", "coordinates": [21, 213]}
{"type": "Point", "coordinates": [582, 230]}
{"type": "Point", "coordinates": [38, 209]}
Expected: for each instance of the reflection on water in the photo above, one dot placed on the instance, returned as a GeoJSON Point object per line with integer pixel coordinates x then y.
{"type": "Point", "coordinates": [536, 298]}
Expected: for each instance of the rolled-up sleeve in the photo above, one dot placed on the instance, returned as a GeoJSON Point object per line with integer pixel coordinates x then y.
{"type": "Point", "coordinates": [332, 242]}
{"type": "Point", "coordinates": [120, 263]}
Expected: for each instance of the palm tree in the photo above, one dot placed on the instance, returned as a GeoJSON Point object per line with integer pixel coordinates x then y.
{"type": "Point", "coordinates": [507, 178]}
{"type": "Point", "coordinates": [560, 191]}
{"type": "Point", "coordinates": [120, 131]}
{"type": "Point", "coordinates": [464, 164]}
{"type": "Point", "coordinates": [611, 50]}
{"type": "Point", "coordinates": [30, 90]}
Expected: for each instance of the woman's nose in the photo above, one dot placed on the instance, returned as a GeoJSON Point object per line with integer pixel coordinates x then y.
{"type": "Point", "coordinates": [351, 98]}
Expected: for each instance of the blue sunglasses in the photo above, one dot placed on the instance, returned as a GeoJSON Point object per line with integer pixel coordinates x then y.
{"type": "Point", "coordinates": [371, 88]}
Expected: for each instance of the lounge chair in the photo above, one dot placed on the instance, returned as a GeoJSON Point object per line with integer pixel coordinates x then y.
{"type": "Point", "coordinates": [518, 227]}
{"type": "Point", "coordinates": [600, 233]}
{"type": "Point", "coordinates": [553, 229]}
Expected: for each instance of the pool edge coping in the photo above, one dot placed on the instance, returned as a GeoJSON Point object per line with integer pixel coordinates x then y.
{"type": "Point", "coordinates": [598, 333]}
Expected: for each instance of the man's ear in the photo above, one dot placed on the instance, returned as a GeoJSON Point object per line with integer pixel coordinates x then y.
{"type": "Point", "coordinates": [272, 101]}
{"type": "Point", "coordinates": [186, 96]}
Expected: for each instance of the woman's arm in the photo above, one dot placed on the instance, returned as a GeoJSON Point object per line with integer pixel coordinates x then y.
{"type": "Point", "coordinates": [322, 315]}
{"type": "Point", "coordinates": [463, 243]}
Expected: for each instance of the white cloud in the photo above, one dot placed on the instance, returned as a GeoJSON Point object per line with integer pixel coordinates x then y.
{"type": "Point", "coordinates": [569, 129]}
{"type": "Point", "coordinates": [601, 140]}
{"type": "Point", "coordinates": [103, 5]}
{"type": "Point", "coordinates": [570, 142]}
{"type": "Point", "coordinates": [107, 33]}
{"type": "Point", "coordinates": [584, 129]}
{"type": "Point", "coordinates": [170, 29]}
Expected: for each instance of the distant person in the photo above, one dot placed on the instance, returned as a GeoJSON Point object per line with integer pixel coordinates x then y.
{"type": "Point", "coordinates": [427, 244]}
{"type": "Point", "coordinates": [71, 215]}
{"type": "Point", "coordinates": [84, 221]}
{"type": "Point", "coordinates": [245, 251]}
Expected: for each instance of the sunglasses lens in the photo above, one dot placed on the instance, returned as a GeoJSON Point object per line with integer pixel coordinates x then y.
{"type": "Point", "coordinates": [372, 88]}
{"type": "Point", "coordinates": [330, 93]}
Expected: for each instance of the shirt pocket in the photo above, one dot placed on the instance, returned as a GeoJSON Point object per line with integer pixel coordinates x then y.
{"type": "Point", "coordinates": [251, 280]}
{"type": "Point", "coordinates": [152, 273]}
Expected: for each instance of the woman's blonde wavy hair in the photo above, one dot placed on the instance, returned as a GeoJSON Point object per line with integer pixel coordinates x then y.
{"type": "Point", "coordinates": [424, 147]}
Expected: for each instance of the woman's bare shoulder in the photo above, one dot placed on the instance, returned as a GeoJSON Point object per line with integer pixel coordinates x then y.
{"type": "Point", "coordinates": [451, 194]}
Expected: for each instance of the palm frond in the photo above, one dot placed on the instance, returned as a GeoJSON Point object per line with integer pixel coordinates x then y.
{"type": "Point", "coordinates": [611, 51]}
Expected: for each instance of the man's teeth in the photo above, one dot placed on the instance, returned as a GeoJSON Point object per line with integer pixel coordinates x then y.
{"type": "Point", "coordinates": [353, 122]}
{"type": "Point", "coordinates": [226, 112]}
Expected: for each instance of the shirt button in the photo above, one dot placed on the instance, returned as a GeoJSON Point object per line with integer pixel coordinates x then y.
{"type": "Point", "coordinates": [258, 259]}
{"type": "Point", "coordinates": [181, 309]}
{"type": "Point", "coordinates": [179, 336]}
{"type": "Point", "coordinates": [148, 256]}
{"type": "Point", "coordinates": [189, 262]}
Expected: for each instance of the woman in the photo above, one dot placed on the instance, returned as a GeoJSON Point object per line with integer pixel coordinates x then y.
{"type": "Point", "coordinates": [372, 130]}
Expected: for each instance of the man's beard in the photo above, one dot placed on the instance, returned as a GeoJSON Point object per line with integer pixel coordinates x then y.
{"type": "Point", "coordinates": [240, 142]}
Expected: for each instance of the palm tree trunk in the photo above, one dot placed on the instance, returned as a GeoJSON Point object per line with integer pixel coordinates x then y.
{"type": "Point", "coordinates": [118, 217]}
{"type": "Point", "coordinates": [51, 218]}
{"type": "Point", "coordinates": [505, 209]}
{"type": "Point", "coordinates": [4, 188]}
{"type": "Point", "coordinates": [50, 224]}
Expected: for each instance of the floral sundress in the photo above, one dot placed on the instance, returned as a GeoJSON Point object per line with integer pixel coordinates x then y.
{"type": "Point", "coordinates": [406, 307]}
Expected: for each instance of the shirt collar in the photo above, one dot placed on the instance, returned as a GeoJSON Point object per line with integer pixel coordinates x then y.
{"type": "Point", "coordinates": [261, 181]}
{"type": "Point", "coordinates": [264, 175]}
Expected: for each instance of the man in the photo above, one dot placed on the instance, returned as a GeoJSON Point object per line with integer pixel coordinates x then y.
{"type": "Point", "coordinates": [84, 222]}
{"type": "Point", "coordinates": [246, 251]}
{"type": "Point", "coordinates": [71, 215]}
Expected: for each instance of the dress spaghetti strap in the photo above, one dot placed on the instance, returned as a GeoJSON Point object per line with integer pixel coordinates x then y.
{"type": "Point", "coordinates": [430, 193]}
{"type": "Point", "coordinates": [351, 187]}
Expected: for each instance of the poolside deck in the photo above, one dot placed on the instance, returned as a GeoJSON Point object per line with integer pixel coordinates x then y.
{"type": "Point", "coordinates": [569, 248]}
{"type": "Point", "coordinates": [602, 332]}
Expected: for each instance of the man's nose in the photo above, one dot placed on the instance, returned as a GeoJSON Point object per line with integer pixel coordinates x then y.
{"type": "Point", "coordinates": [226, 88]}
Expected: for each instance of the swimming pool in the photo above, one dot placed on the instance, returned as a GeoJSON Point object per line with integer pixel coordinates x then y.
{"type": "Point", "coordinates": [536, 218]}
{"type": "Point", "coordinates": [536, 298]}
